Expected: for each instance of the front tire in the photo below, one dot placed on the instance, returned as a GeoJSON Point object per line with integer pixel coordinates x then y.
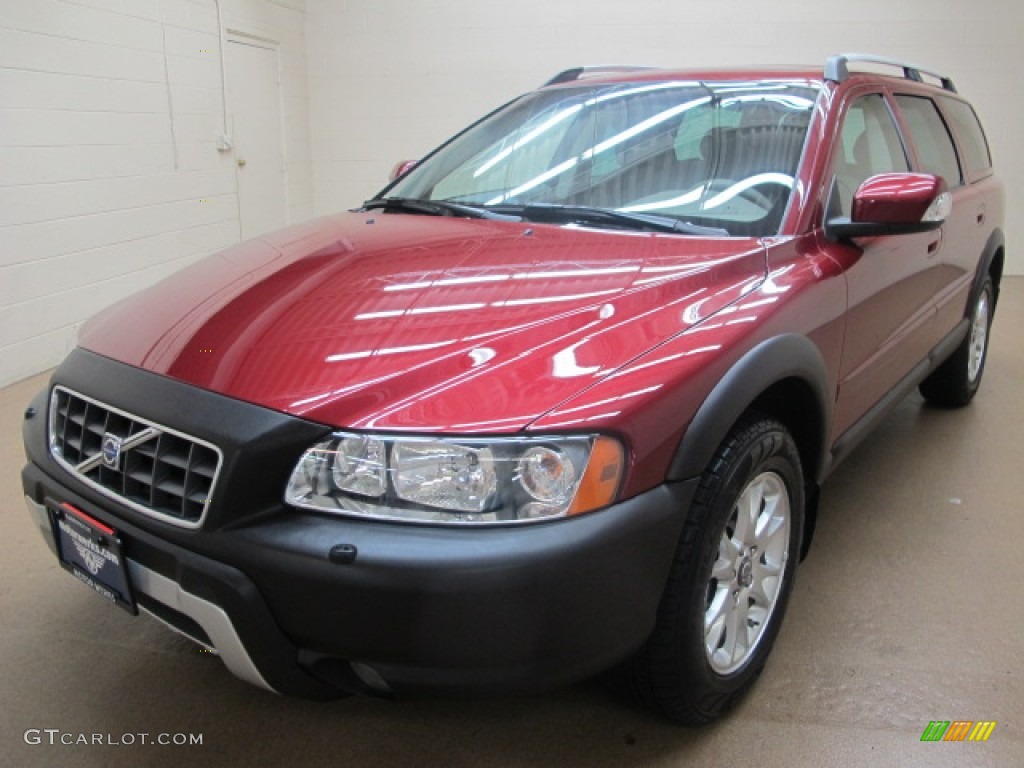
{"type": "Point", "coordinates": [730, 580]}
{"type": "Point", "coordinates": [954, 383]}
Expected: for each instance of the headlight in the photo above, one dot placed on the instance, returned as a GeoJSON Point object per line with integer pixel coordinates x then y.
{"type": "Point", "coordinates": [471, 480]}
{"type": "Point", "coordinates": [358, 466]}
{"type": "Point", "coordinates": [444, 475]}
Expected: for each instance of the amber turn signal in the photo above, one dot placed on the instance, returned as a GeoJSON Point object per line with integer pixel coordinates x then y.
{"type": "Point", "coordinates": [600, 481]}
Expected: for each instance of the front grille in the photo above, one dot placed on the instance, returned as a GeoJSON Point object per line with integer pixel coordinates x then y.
{"type": "Point", "coordinates": [153, 469]}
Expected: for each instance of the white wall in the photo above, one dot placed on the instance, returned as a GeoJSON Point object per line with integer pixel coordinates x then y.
{"type": "Point", "coordinates": [109, 174]}
{"type": "Point", "coordinates": [390, 79]}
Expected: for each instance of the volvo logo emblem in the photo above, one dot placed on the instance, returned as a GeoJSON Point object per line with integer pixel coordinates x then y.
{"type": "Point", "coordinates": [111, 451]}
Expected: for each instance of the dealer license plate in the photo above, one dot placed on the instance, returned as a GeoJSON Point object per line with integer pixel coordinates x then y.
{"type": "Point", "coordinates": [91, 551]}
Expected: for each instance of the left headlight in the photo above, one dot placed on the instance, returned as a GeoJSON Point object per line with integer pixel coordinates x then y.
{"type": "Point", "coordinates": [472, 480]}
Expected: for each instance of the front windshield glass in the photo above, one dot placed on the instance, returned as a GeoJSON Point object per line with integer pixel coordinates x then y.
{"type": "Point", "coordinates": [713, 154]}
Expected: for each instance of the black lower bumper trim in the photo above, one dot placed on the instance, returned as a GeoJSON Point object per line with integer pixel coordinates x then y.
{"type": "Point", "coordinates": [532, 609]}
{"type": "Point", "coordinates": [223, 586]}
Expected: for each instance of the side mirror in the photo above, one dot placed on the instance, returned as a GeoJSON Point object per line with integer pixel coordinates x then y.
{"type": "Point", "coordinates": [894, 204]}
{"type": "Point", "coordinates": [401, 169]}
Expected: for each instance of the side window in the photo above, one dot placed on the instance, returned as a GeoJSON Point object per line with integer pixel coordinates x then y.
{"type": "Point", "coordinates": [965, 124]}
{"type": "Point", "coordinates": [929, 134]}
{"type": "Point", "coordinates": [869, 144]}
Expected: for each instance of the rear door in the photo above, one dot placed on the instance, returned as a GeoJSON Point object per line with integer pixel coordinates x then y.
{"type": "Point", "coordinates": [964, 233]}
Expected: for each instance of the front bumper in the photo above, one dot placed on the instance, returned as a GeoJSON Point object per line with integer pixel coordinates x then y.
{"type": "Point", "coordinates": [216, 629]}
{"type": "Point", "coordinates": [406, 607]}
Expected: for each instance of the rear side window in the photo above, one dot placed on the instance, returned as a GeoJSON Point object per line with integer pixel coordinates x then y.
{"type": "Point", "coordinates": [930, 135]}
{"type": "Point", "coordinates": [965, 124]}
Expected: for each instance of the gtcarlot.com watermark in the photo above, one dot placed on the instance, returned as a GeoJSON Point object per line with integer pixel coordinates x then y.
{"type": "Point", "coordinates": [55, 737]}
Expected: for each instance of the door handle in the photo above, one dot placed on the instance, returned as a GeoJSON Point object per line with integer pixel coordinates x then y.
{"type": "Point", "coordinates": [981, 215]}
{"type": "Point", "coordinates": [241, 162]}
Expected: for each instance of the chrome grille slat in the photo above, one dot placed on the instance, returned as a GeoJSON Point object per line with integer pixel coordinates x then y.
{"type": "Point", "coordinates": [161, 472]}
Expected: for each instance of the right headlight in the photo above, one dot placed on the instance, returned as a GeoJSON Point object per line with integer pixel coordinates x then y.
{"type": "Point", "coordinates": [452, 480]}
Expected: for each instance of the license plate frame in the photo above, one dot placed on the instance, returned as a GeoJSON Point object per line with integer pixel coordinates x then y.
{"type": "Point", "coordinates": [91, 551]}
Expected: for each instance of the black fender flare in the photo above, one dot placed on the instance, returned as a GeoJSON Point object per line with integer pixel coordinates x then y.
{"type": "Point", "coordinates": [996, 242]}
{"type": "Point", "coordinates": [789, 356]}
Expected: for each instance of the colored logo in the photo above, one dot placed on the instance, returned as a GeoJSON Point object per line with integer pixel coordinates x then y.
{"type": "Point", "coordinates": [958, 730]}
{"type": "Point", "coordinates": [111, 450]}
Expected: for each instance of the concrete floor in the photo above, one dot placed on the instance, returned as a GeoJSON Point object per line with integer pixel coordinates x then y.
{"type": "Point", "coordinates": [910, 608]}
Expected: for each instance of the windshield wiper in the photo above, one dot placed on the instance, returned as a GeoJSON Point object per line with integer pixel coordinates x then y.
{"type": "Point", "coordinates": [583, 214]}
{"type": "Point", "coordinates": [434, 208]}
{"type": "Point", "coordinates": [550, 213]}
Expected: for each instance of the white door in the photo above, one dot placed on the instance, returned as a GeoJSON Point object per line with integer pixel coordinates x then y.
{"type": "Point", "coordinates": [254, 102]}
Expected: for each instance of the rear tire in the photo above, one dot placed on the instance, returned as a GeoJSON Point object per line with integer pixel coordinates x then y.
{"type": "Point", "coordinates": [730, 579]}
{"type": "Point", "coordinates": [954, 383]}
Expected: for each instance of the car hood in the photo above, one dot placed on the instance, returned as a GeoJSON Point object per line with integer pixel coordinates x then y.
{"type": "Point", "coordinates": [396, 321]}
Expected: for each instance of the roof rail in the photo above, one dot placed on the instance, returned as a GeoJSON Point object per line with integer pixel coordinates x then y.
{"type": "Point", "coordinates": [578, 73]}
{"type": "Point", "coordinates": [837, 69]}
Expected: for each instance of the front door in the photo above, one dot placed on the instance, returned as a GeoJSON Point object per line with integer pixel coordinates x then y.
{"type": "Point", "coordinates": [891, 281]}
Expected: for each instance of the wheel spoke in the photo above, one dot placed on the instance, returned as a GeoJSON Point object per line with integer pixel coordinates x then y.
{"type": "Point", "coordinates": [735, 628]}
{"type": "Point", "coordinates": [717, 609]}
{"type": "Point", "coordinates": [748, 507]}
{"type": "Point", "coordinates": [770, 527]}
{"type": "Point", "coordinates": [728, 548]}
{"type": "Point", "coordinates": [723, 570]}
{"type": "Point", "coordinates": [762, 593]}
{"type": "Point", "coordinates": [769, 569]}
{"type": "Point", "coordinates": [715, 620]}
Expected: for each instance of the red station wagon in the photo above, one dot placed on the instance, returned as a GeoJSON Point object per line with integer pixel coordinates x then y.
{"type": "Point", "coordinates": [559, 399]}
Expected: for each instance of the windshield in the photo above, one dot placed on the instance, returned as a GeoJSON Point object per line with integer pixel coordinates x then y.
{"type": "Point", "coordinates": [718, 155]}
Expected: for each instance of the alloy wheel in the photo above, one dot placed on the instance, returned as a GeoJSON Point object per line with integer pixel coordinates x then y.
{"type": "Point", "coordinates": [746, 576]}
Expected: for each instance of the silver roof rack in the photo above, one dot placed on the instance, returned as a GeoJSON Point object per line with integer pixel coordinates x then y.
{"type": "Point", "coordinates": [837, 68]}
{"type": "Point", "coordinates": [578, 73]}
